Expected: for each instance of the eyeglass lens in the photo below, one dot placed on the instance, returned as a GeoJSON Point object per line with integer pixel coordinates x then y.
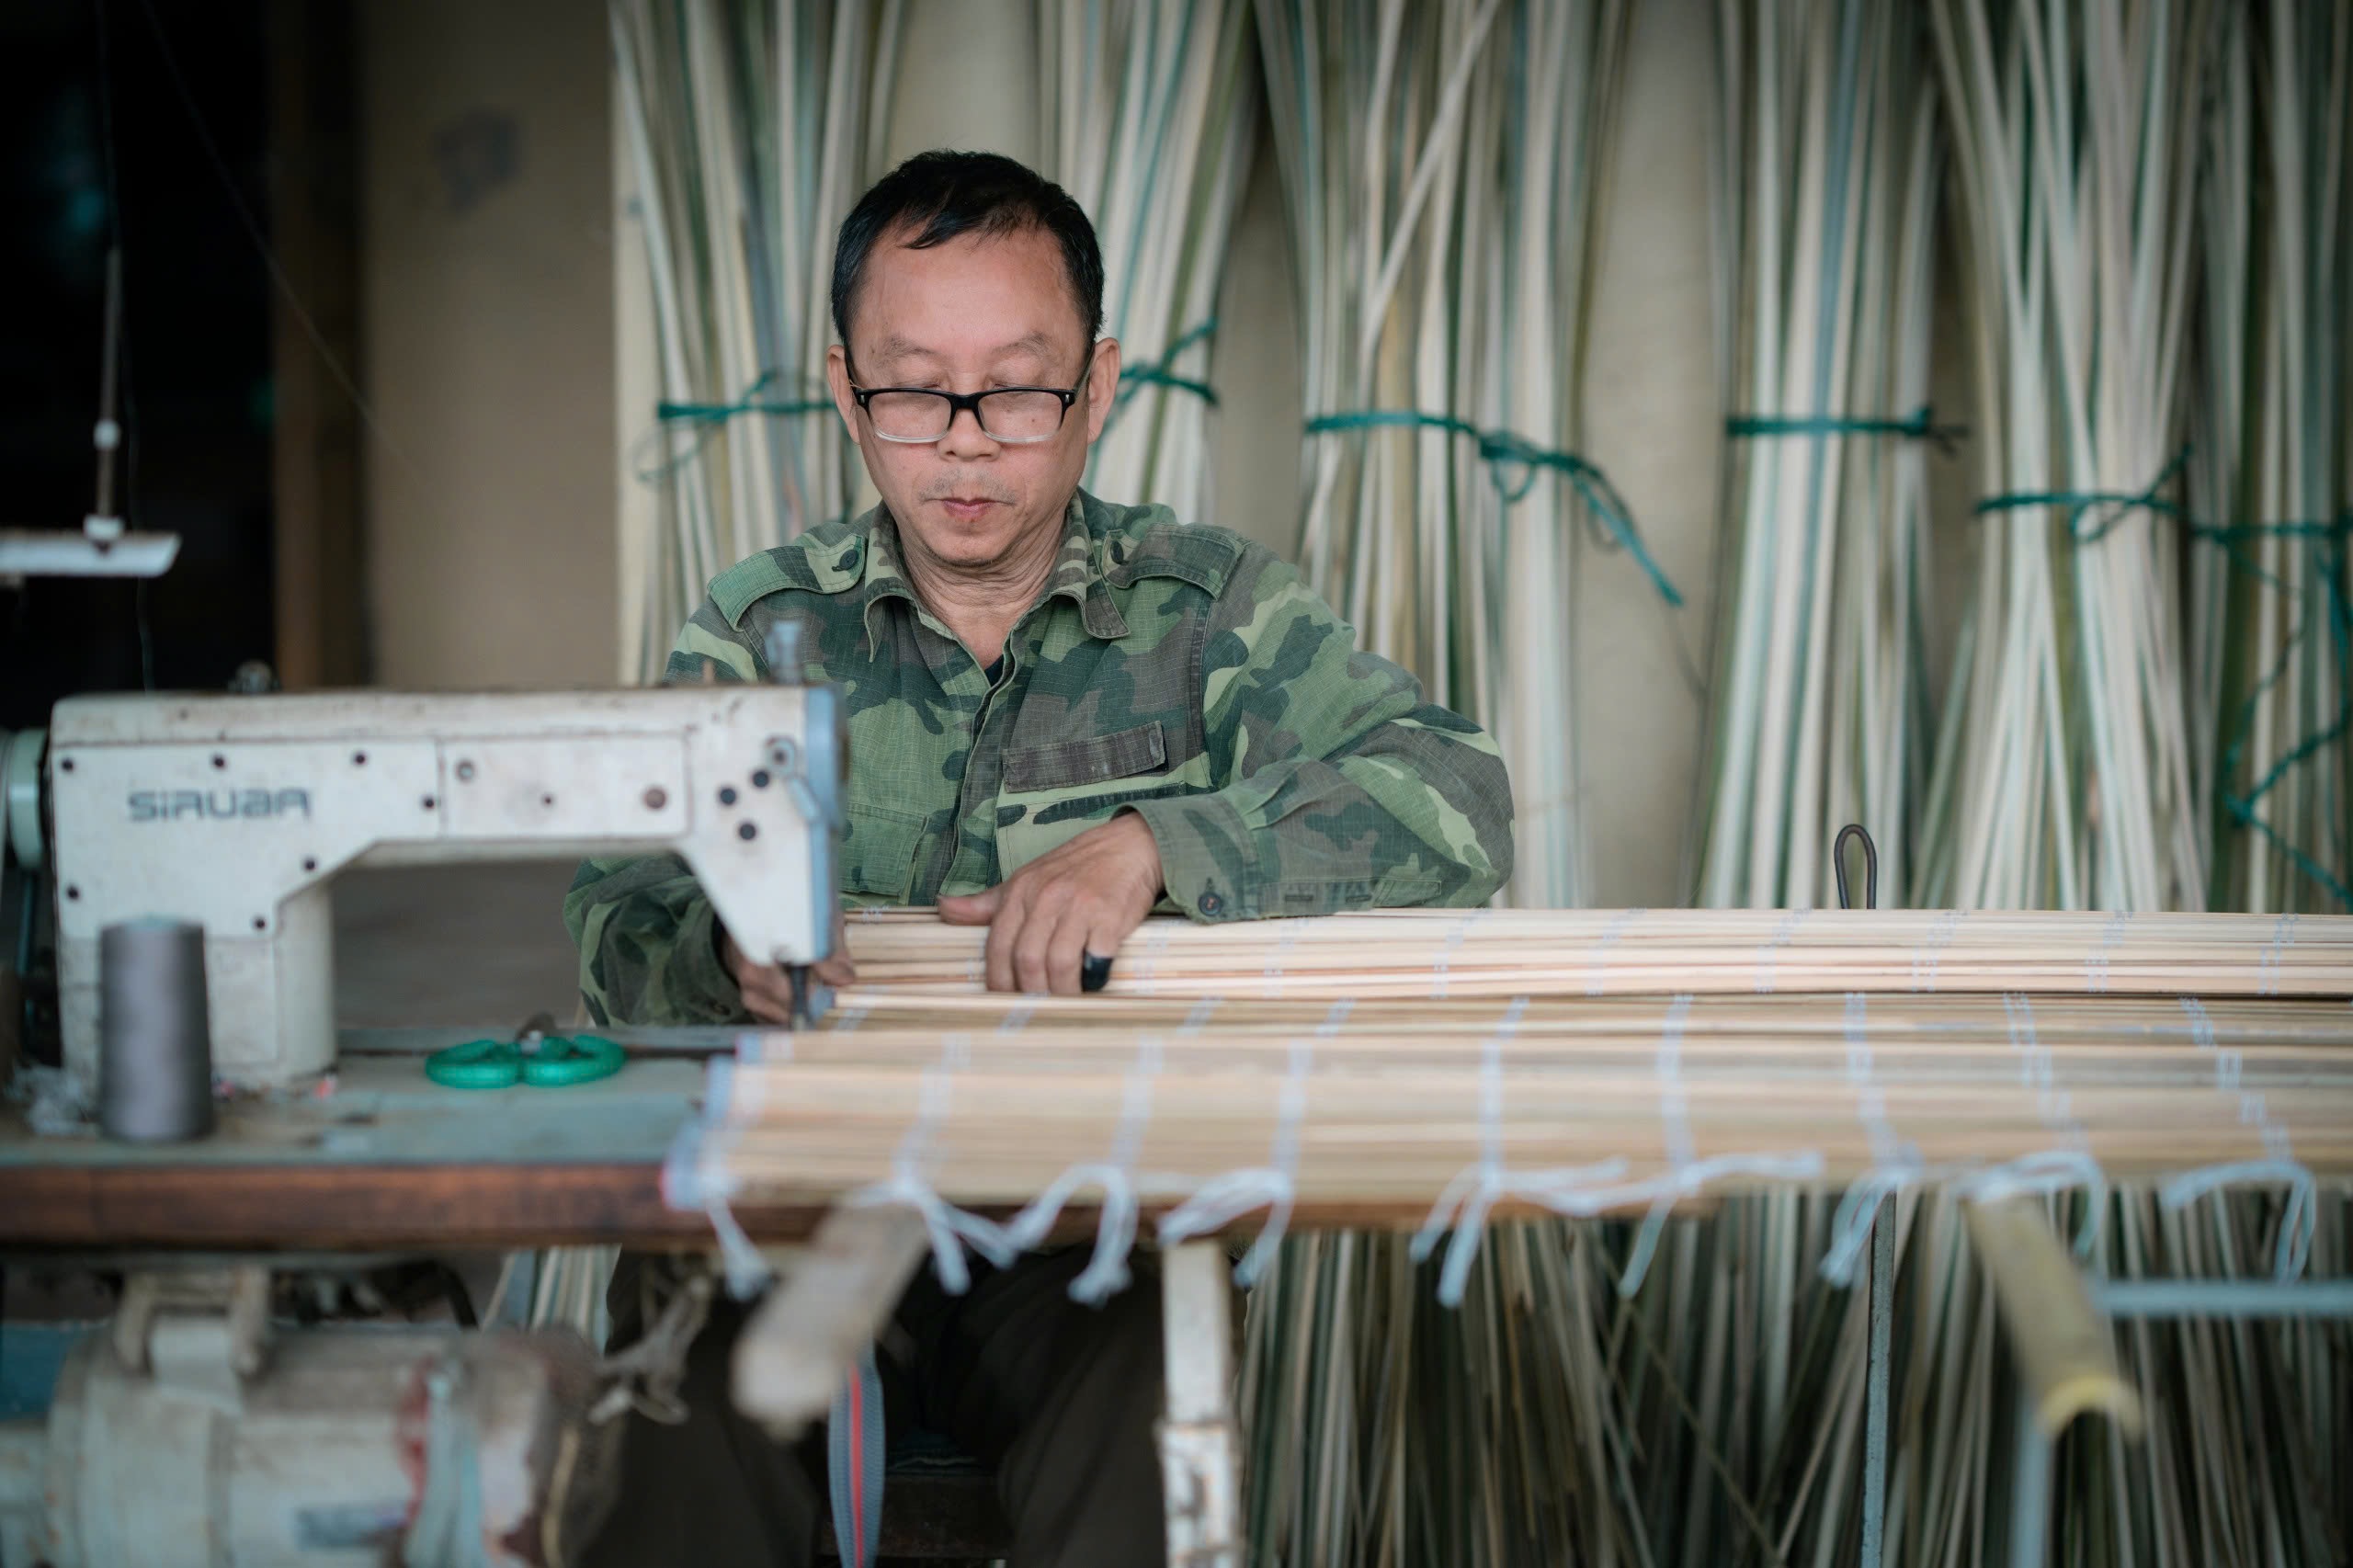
{"type": "Point", "coordinates": [1009, 415]}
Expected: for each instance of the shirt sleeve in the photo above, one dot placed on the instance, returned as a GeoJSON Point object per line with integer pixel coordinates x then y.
{"type": "Point", "coordinates": [1339, 787]}
{"type": "Point", "coordinates": [648, 937]}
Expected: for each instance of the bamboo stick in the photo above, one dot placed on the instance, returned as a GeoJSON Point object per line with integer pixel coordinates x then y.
{"type": "Point", "coordinates": [1598, 953]}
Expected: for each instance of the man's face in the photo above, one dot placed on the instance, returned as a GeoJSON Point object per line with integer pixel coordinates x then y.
{"type": "Point", "coordinates": [976, 312]}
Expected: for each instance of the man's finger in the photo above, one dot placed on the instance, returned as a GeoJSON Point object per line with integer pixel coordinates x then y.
{"type": "Point", "coordinates": [836, 971]}
{"type": "Point", "coordinates": [766, 1007]}
{"type": "Point", "coordinates": [1065, 950]}
{"type": "Point", "coordinates": [1005, 930]}
{"type": "Point", "coordinates": [1033, 973]}
{"type": "Point", "coordinates": [975, 909]}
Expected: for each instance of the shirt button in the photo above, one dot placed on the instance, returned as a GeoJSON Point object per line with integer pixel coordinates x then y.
{"type": "Point", "coordinates": [1211, 903]}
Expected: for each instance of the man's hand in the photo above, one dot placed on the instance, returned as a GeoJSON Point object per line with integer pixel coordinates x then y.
{"type": "Point", "coordinates": [1085, 897]}
{"type": "Point", "coordinates": [767, 995]}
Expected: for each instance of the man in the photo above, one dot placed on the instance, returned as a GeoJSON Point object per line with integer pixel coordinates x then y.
{"type": "Point", "coordinates": [1062, 713]}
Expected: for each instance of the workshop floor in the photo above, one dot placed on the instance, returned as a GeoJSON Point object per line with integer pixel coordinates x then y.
{"type": "Point", "coordinates": [453, 945]}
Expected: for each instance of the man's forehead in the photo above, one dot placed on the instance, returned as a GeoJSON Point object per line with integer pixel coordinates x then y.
{"type": "Point", "coordinates": [977, 296]}
{"type": "Point", "coordinates": [899, 346]}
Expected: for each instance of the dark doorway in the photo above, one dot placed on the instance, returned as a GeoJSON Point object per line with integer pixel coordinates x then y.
{"type": "Point", "coordinates": [98, 146]}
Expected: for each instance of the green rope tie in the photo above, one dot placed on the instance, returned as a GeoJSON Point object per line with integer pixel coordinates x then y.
{"type": "Point", "coordinates": [2327, 537]}
{"type": "Point", "coordinates": [2080, 502]}
{"type": "Point", "coordinates": [1918, 426]}
{"type": "Point", "coordinates": [708, 417]}
{"type": "Point", "coordinates": [1513, 466]}
{"type": "Point", "coordinates": [750, 403]}
{"type": "Point", "coordinates": [1160, 372]}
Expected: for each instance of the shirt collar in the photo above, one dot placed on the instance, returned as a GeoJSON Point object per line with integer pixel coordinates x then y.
{"type": "Point", "coordinates": [1077, 573]}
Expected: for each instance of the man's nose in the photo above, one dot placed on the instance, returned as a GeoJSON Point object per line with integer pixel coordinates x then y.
{"type": "Point", "coordinates": [965, 438]}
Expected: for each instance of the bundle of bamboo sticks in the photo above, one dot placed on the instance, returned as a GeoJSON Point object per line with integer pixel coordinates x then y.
{"type": "Point", "coordinates": [1620, 1388]}
{"type": "Point", "coordinates": [1448, 954]}
{"type": "Point", "coordinates": [1377, 1110]}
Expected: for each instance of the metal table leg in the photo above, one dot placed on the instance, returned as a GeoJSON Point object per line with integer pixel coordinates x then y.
{"type": "Point", "coordinates": [1199, 1444]}
{"type": "Point", "coordinates": [1882, 1329]}
{"type": "Point", "coordinates": [2030, 1502]}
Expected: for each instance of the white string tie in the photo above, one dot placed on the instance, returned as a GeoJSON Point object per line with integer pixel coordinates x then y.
{"type": "Point", "coordinates": [1219, 1201]}
{"type": "Point", "coordinates": [1687, 1181]}
{"type": "Point", "coordinates": [2095, 961]}
{"type": "Point", "coordinates": [1115, 1233]}
{"type": "Point", "coordinates": [951, 1229]}
{"type": "Point", "coordinates": [2039, 1071]}
{"type": "Point", "coordinates": [1687, 1174]}
{"type": "Point", "coordinates": [1143, 976]}
{"type": "Point", "coordinates": [1475, 1190]}
{"type": "Point", "coordinates": [693, 1178]}
{"type": "Point", "coordinates": [1895, 1164]}
{"type": "Point", "coordinates": [2267, 961]}
{"type": "Point", "coordinates": [2298, 1220]}
{"type": "Point", "coordinates": [1769, 957]}
{"type": "Point", "coordinates": [1931, 951]}
{"type": "Point", "coordinates": [1273, 973]}
{"type": "Point", "coordinates": [1597, 962]}
{"type": "Point", "coordinates": [1858, 1211]}
{"type": "Point", "coordinates": [2044, 1174]}
{"type": "Point", "coordinates": [1456, 936]}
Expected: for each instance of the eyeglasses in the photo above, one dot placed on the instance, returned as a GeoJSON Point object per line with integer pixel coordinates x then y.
{"type": "Point", "coordinates": [1012, 416]}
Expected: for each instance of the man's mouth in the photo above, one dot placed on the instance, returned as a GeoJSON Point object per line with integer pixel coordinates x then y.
{"type": "Point", "coordinates": [966, 508]}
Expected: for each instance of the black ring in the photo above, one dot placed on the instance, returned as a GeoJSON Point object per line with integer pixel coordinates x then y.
{"type": "Point", "coordinates": [1094, 972]}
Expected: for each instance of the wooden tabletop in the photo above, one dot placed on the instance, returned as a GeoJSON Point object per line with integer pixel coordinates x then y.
{"type": "Point", "coordinates": [385, 1161]}
{"type": "Point", "coordinates": [390, 1162]}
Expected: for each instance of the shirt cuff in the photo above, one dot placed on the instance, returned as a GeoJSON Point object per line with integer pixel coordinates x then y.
{"type": "Point", "coordinates": [700, 983]}
{"type": "Point", "coordinates": [1208, 861]}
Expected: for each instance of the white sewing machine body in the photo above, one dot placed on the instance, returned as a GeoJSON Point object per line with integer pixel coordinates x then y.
{"type": "Point", "coordinates": [236, 812]}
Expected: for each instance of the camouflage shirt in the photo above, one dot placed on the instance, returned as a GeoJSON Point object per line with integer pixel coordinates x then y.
{"type": "Point", "coordinates": [1180, 673]}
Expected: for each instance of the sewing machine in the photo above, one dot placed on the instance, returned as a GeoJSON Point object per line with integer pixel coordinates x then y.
{"type": "Point", "coordinates": [237, 812]}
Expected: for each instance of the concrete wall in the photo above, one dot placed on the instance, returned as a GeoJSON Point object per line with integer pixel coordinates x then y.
{"type": "Point", "coordinates": [487, 289]}
{"type": "Point", "coordinates": [495, 334]}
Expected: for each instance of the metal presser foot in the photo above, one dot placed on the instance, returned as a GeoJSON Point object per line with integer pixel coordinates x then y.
{"type": "Point", "coordinates": [797, 977]}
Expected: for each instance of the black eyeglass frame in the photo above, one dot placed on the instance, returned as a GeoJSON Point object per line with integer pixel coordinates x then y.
{"type": "Point", "coordinates": [960, 403]}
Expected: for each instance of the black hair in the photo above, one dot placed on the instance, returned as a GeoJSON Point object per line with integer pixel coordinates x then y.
{"type": "Point", "coordinates": [941, 195]}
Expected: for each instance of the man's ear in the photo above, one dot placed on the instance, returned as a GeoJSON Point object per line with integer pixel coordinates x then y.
{"type": "Point", "coordinates": [1102, 386]}
{"type": "Point", "coordinates": [838, 380]}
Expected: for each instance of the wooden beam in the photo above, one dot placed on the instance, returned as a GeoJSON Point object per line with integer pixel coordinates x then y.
{"type": "Point", "coordinates": [313, 226]}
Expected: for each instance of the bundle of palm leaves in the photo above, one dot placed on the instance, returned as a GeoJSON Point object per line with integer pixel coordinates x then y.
{"type": "Point", "coordinates": [1147, 114]}
{"type": "Point", "coordinates": [749, 128]}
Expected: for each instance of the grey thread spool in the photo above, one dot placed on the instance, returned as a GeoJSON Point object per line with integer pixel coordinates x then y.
{"type": "Point", "coordinates": [155, 1042]}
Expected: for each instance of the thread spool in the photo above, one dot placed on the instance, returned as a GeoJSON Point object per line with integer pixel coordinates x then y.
{"type": "Point", "coordinates": [154, 1039]}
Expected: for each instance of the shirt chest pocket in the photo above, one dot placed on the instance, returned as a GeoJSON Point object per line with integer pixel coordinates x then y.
{"type": "Point", "coordinates": [879, 848]}
{"type": "Point", "coordinates": [1056, 791]}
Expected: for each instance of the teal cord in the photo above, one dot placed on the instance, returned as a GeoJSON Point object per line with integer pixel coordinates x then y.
{"type": "Point", "coordinates": [2326, 536]}
{"type": "Point", "coordinates": [1513, 465]}
{"type": "Point", "coordinates": [750, 403]}
{"type": "Point", "coordinates": [1160, 372]}
{"type": "Point", "coordinates": [2079, 502]}
{"type": "Point", "coordinates": [1918, 426]}
{"type": "Point", "coordinates": [707, 418]}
